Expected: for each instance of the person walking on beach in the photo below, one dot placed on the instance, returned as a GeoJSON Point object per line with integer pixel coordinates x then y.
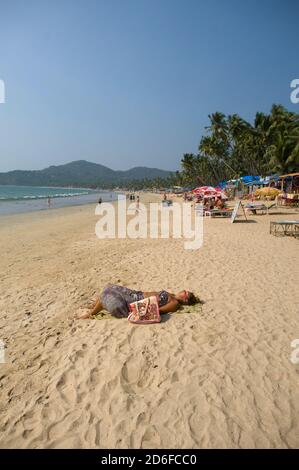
{"type": "Point", "coordinates": [49, 202]}
{"type": "Point", "coordinates": [116, 299]}
{"type": "Point", "coordinates": [137, 204]}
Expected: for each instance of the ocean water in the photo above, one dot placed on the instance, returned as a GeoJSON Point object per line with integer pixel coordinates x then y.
{"type": "Point", "coordinates": [16, 199]}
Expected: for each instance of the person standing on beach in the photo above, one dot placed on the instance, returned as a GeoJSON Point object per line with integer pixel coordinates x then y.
{"type": "Point", "coordinates": [137, 203]}
{"type": "Point", "coordinates": [49, 202]}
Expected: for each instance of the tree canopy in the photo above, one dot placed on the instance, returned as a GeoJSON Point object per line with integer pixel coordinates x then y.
{"type": "Point", "coordinates": [233, 147]}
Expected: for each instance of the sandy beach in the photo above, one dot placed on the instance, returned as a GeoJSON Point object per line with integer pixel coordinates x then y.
{"type": "Point", "coordinates": [217, 375]}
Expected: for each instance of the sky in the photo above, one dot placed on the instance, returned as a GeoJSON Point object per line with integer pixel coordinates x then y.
{"type": "Point", "coordinates": [131, 83]}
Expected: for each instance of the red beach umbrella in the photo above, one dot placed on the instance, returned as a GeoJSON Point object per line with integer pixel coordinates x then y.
{"type": "Point", "coordinates": [205, 190]}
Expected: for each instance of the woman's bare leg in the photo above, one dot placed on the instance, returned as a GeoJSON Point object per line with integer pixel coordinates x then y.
{"type": "Point", "coordinates": [93, 310]}
{"type": "Point", "coordinates": [97, 307]}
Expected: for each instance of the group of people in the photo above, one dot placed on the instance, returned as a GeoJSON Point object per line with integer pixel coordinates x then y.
{"type": "Point", "coordinates": [209, 203]}
{"type": "Point", "coordinates": [132, 197]}
{"type": "Point", "coordinates": [213, 203]}
{"type": "Point", "coordinates": [188, 197]}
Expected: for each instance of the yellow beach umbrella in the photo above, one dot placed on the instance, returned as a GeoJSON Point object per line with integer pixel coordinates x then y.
{"type": "Point", "coordinates": [267, 192]}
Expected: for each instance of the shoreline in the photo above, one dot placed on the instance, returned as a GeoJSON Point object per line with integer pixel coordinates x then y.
{"type": "Point", "coordinates": [22, 206]}
{"type": "Point", "coordinates": [71, 208]}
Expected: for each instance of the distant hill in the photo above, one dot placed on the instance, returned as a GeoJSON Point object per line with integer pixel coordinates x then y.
{"type": "Point", "coordinates": [80, 173]}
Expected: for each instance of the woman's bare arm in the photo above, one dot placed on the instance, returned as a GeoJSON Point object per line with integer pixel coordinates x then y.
{"type": "Point", "coordinates": [171, 306]}
{"type": "Point", "coordinates": [150, 294]}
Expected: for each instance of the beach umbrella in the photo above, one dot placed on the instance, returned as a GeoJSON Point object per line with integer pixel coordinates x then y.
{"type": "Point", "coordinates": [267, 192]}
{"type": "Point", "coordinates": [209, 192]}
{"type": "Point", "coordinates": [222, 195]}
{"type": "Point", "coordinates": [218, 192]}
{"type": "Point", "coordinates": [205, 190]}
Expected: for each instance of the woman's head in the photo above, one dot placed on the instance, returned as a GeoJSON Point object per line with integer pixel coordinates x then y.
{"type": "Point", "coordinates": [186, 297]}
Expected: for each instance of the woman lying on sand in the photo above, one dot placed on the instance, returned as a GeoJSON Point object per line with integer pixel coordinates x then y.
{"type": "Point", "coordinates": [116, 300]}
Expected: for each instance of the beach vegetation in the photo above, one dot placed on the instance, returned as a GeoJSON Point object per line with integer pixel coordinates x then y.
{"type": "Point", "coordinates": [233, 147]}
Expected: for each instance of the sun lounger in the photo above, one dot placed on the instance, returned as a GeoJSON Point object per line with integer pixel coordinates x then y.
{"type": "Point", "coordinates": [270, 207]}
{"type": "Point", "coordinates": [221, 212]}
{"type": "Point", "coordinates": [213, 212]}
{"type": "Point", "coordinates": [284, 228]}
{"type": "Point", "coordinates": [254, 208]}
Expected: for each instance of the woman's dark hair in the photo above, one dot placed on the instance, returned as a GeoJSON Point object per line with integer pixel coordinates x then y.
{"type": "Point", "coordinates": [192, 299]}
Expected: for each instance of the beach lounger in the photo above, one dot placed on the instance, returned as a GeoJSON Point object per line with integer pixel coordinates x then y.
{"type": "Point", "coordinates": [285, 228]}
{"type": "Point", "coordinates": [221, 212]}
{"type": "Point", "coordinates": [271, 206]}
{"type": "Point", "coordinates": [255, 208]}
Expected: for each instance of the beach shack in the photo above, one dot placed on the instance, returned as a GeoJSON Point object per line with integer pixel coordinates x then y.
{"type": "Point", "coordinates": [289, 185]}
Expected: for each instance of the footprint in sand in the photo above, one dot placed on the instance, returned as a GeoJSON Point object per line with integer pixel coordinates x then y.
{"type": "Point", "coordinates": [67, 389]}
{"type": "Point", "coordinates": [150, 439]}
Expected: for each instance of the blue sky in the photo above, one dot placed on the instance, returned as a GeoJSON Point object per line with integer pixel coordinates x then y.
{"type": "Point", "coordinates": [131, 82]}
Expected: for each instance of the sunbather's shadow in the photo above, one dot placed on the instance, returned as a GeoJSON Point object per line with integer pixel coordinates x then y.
{"type": "Point", "coordinates": [184, 309]}
{"type": "Point", "coordinates": [165, 317]}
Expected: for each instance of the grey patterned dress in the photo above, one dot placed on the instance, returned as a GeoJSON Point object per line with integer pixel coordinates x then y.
{"type": "Point", "coordinates": [116, 299]}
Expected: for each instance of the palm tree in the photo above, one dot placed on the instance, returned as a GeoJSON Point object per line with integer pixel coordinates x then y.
{"type": "Point", "coordinates": [233, 147]}
{"type": "Point", "coordinates": [188, 163]}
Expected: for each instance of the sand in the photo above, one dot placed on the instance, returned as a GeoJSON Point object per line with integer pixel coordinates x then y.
{"type": "Point", "coordinates": [215, 376]}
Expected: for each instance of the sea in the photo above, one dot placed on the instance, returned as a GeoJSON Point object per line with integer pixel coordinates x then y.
{"type": "Point", "coordinates": [17, 199]}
